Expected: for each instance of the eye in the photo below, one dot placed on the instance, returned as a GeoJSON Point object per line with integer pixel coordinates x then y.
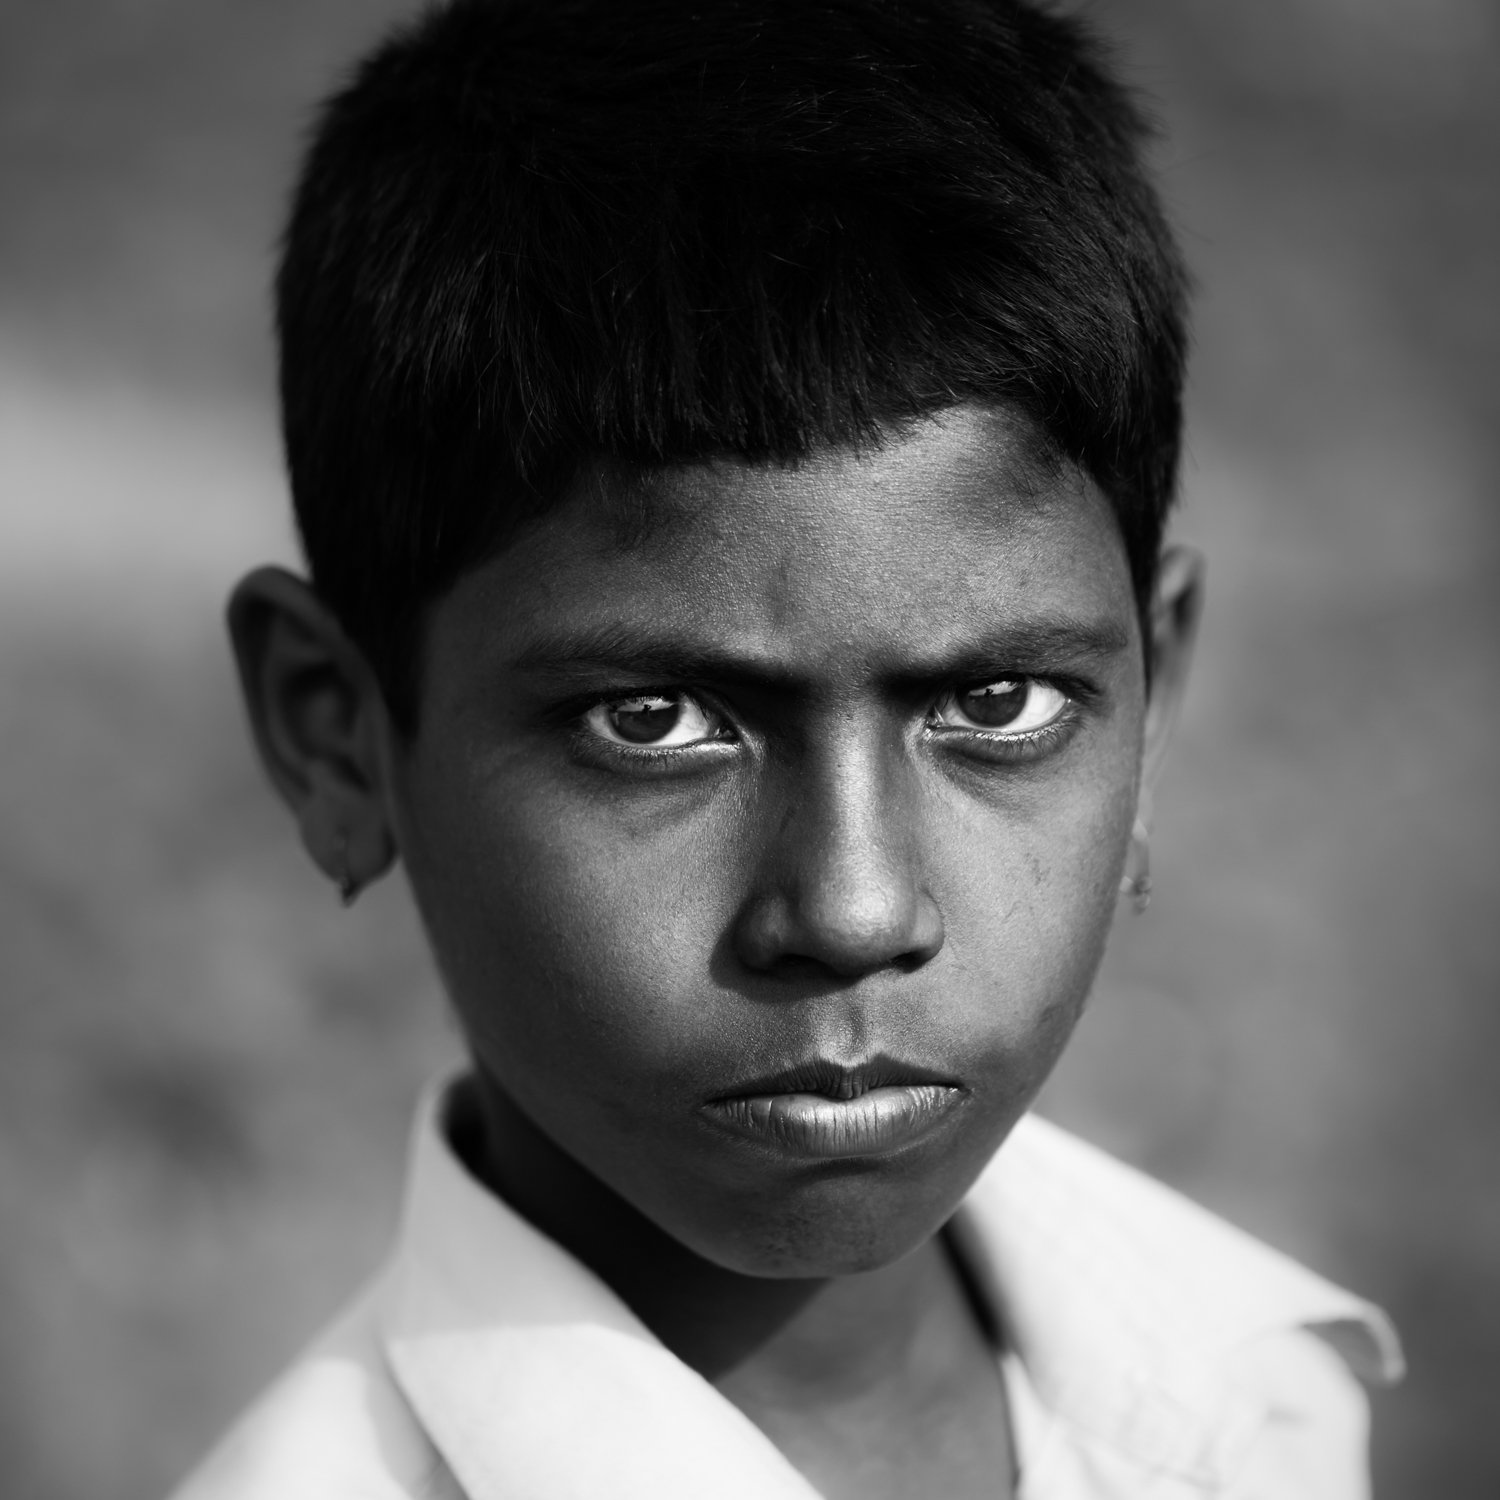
{"type": "Point", "coordinates": [658, 721]}
{"type": "Point", "coordinates": [1008, 707]}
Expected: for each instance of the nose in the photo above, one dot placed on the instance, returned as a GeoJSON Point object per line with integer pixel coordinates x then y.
{"type": "Point", "coordinates": [840, 885]}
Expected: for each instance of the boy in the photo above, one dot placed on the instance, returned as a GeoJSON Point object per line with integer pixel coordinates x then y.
{"type": "Point", "coordinates": [731, 445]}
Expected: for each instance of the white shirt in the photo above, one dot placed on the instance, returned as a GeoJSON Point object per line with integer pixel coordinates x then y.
{"type": "Point", "coordinates": [1153, 1352]}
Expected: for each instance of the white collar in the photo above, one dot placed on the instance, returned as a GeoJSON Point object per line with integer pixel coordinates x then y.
{"type": "Point", "coordinates": [537, 1383]}
{"type": "Point", "coordinates": [1126, 1304]}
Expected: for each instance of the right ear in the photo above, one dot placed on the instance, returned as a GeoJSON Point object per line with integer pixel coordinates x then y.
{"type": "Point", "coordinates": [319, 719]}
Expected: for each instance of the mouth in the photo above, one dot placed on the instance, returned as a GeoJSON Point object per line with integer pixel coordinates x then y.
{"type": "Point", "coordinates": [826, 1110]}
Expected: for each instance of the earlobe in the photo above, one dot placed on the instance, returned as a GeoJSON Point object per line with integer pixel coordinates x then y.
{"type": "Point", "coordinates": [317, 717]}
{"type": "Point", "coordinates": [1136, 881]}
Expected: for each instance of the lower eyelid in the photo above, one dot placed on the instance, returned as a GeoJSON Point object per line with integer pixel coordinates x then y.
{"type": "Point", "coordinates": [693, 747]}
{"type": "Point", "coordinates": [1064, 715]}
{"type": "Point", "coordinates": [595, 748]}
{"type": "Point", "coordinates": [999, 736]}
{"type": "Point", "coordinates": [1045, 737]}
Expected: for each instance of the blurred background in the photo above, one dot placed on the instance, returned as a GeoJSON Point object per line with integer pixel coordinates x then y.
{"type": "Point", "coordinates": [206, 1068]}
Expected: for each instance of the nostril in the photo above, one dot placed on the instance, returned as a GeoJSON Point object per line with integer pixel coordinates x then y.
{"type": "Point", "coordinates": [794, 938]}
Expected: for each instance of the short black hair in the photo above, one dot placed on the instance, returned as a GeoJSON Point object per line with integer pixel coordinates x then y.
{"type": "Point", "coordinates": [531, 234]}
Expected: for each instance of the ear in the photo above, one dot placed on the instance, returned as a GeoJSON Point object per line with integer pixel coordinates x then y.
{"type": "Point", "coordinates": [319, 723]}
{"type": "Point", "coordinates": [1174, 629]}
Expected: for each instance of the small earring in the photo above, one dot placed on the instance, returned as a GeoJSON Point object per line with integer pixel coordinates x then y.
{"type": "Point", "coordinates": [348, 886]}
{"type": "Point", "coordinates": [1137, 883]}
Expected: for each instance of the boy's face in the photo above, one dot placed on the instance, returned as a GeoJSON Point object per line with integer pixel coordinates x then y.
{"type": "Point", "coordinates": [739, 785]}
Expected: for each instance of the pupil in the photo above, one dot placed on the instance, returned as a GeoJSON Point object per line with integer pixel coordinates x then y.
{"type": "Point", "coordinates": [996, 704]}
{"type": "Point", "coordinates": [642, 720]}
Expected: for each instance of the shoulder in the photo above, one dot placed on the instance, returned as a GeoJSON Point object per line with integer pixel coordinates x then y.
{"type": "Point", "coordinates": [335, 1426]}
{"type": "Point", "coordinates": [1313, 1439]}
{"type": "Point", "coordinates": [1162, 1335]}
{"type": "Point", "coordinates": [1165, 1259]}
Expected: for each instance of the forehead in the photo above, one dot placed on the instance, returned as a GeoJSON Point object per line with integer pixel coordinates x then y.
{"type": "Point", "coordinates": [962, 459]}
{"type": "Point", "coordinates": [954, 522]}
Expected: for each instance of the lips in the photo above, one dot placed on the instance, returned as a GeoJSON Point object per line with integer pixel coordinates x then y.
{"type": "Point", "coordinates": [825, 1110]}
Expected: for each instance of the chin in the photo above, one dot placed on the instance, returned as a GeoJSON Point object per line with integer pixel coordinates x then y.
{"type": "Point", "coordinates": [818, 1240]}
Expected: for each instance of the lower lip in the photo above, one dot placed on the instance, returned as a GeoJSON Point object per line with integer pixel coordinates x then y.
{"type": "Point", "coordinates": [810, 1125]}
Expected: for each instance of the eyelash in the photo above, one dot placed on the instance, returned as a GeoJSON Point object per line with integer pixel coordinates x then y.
{"type": "Point", "coordinates": [997, 747]}
{"type": "Point", "coordinates": [1031, 745]}
{"type": "Point", "coordinates": [594, 748]}
{"type": "Point", "coordinates": [1017, 749]}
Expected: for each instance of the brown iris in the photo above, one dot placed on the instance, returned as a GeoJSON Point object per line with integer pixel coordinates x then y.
{"type": "Point", "coordinates": [644, 720]}
{"type": "Point", "coordinates": [995, 704]}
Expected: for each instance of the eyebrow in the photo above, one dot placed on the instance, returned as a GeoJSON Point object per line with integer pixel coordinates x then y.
{"type": "Point", "coordinates": [1038, 645]}
{"type": "Point", "coordinates": [1034, 645]}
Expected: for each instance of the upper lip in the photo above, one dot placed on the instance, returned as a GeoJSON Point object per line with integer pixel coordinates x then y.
{"type": "Point", "coordinates": [836, 1080]}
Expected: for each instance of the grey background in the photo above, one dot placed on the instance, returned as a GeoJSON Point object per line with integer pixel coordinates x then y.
{"type": "Point", "coordinates": [206, 1067]}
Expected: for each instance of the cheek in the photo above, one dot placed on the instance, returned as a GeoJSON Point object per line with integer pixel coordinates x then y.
{"type": "Point", "coordinates": [581, 944]}
{"type": "Point", "coordinates": [571, 943]}
{"type": "Point", "coordinates": [1029, 908]}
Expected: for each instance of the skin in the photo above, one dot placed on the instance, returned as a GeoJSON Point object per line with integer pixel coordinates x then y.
{"type": "Point", "coordinates": [843, 864]}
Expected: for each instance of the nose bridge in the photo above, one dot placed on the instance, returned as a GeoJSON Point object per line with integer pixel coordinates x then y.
{"type": "Point", "coordinates": [844, 883]}
{"type": "Point", "coordinates": [852, 841]}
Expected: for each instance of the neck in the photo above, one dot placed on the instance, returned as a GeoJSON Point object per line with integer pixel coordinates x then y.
{"type": "Point", "coordinates": [826, 1336]}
